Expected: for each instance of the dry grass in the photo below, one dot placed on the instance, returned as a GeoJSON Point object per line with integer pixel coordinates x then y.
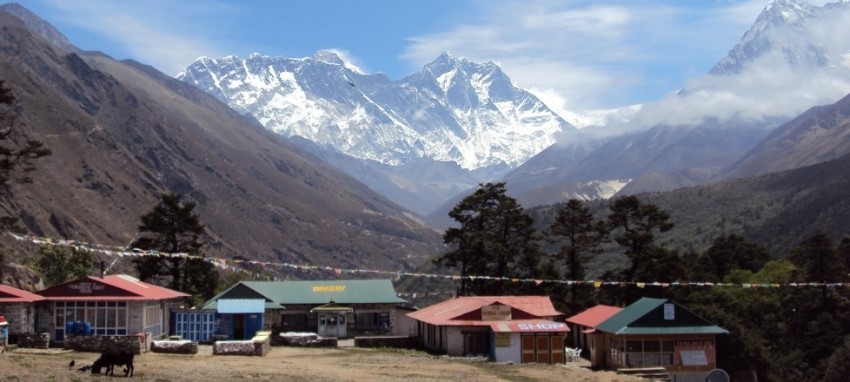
{"type": "Point", "coordinates": [298, 364]}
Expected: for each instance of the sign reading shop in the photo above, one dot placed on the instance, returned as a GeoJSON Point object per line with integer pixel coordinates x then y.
{"type": "Point", "coordinates": [87, 287]}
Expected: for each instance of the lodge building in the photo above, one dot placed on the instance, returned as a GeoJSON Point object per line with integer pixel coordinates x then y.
{"type": "Point", "coordinates": [113, 305]}
{"type": "Point", "coordinates": [330, 308]}
{"type": "Point", "coordinates": [520, 329]}
{"type": "Point", "coordinates": [653, 332]}
{"type": "Point", "coordinates": [18, 308]}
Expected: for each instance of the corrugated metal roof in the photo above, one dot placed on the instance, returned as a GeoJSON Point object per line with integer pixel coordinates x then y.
{"type": "Point", "coordinates": [9, 294]}
{"type": "Point", "coordinates": [112, 288]}
{"type": "Point", "coordinates": [233, 306]}
{"type": "Point", "coordinates": [711, 329]}
{"type": "Point", "coordinates": [647, 316]}
{"type": "Point", "coordinates": [446, 312]}
{"type": "Point", "coordinates": [594, 316]}
{"type": "Point", "coordinates": [282, 293]}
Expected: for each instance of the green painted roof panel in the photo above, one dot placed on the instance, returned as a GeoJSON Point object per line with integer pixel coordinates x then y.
{"type": "Point", "coordinates": [315, 292]}
{"type": "Point", "coordinates": [647, 316]}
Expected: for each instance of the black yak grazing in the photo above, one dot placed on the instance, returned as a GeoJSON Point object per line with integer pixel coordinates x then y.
{"type": "Point", "coordinates": [111, 357]}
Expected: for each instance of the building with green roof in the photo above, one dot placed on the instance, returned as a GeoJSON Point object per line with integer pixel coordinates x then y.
{"type": "Point", "coordinates": [655, 332]}
{"type": "Point", "coordinates": [330, 308]}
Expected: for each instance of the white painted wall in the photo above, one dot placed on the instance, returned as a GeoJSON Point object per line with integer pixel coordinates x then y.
{"type": "Point", "coordinates": [512, 353]}
{"type": "Point", "coordinates": [454, 341]}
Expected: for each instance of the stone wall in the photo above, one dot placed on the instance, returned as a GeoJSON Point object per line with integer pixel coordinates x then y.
{"type": "Point", "coordinates": [259, 345]}
{"type": "Point", "coordinates": [34, 340]}
{"type": "Point", "coordinates": [401, 342]}
{"type": "Point", "coordinates": [19, 317]}
{"type": "Point", "coordinates": [97, 344]}
{"type": "Point", "coordinates": [174, 347]}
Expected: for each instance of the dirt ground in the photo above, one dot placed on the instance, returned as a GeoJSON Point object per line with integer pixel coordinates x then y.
{"type": "Point", "coordinates": [296, 364]}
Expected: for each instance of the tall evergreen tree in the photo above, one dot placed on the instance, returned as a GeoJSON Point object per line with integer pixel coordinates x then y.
{"type": "Point", "coordinates": [730, 252]}
{"type": "Point", "coordinates": [635, 225]}
{"type": "Point", "coordinates": [575, 227]}
{"type": "Point", "coordinates": [495, 238]}
{"type": "Point", "coordinates": [819, 261]}
{"type": "Point", "coordinates": [173, 227]}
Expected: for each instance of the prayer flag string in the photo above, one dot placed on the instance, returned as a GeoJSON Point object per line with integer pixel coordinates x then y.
{"type": "Point", "coordinates": [226, 264]}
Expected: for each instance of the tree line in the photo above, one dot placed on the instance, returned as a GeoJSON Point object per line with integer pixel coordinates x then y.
{"type": "Point", "coordinates": [776, 334]}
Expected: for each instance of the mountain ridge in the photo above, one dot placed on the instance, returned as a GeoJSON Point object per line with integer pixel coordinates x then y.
{"type": "Point", "coordinates": [122, 133]}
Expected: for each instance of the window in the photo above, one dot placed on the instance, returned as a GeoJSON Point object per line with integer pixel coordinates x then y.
{"type": "Point", "coordinates": [153, 318]}
{"type": "Point", "coordinates": [103, 318]}
{"type": "Point", "coordinates": [293, 322]}
{"type": "Point", "coordinates": [369, 320]}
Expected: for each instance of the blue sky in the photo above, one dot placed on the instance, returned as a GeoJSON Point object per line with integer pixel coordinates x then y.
{"type": "Point", "coordinates": [576, 55]}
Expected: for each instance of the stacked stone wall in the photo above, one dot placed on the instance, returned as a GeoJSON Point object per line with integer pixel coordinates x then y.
{"type": "Point", "coordinates": [401, 342]}
{"type": "Point", "coordinates": [33, 340]}
{"type": "Point", "coordinates": [97, 344]}
{"type": "Point", "coordinates": [175, 347]}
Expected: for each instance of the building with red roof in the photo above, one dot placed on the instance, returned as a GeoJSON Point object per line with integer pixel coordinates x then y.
{"type": "Point", "coordinates": [583, 325]}
{"type": "Point", "coordinates": [109, 305]}
{"type": "Point", "coordinates": [17, 307]}
{"type": "Point", "coordinates": [520, 329]}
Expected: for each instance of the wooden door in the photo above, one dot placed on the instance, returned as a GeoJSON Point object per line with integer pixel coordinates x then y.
{"type": "Point", "coordinates": [527, 349]}
{"type": "Point", "coordinates": [542, 349]}
{"type": "Point", "coordinates": [558, 349]}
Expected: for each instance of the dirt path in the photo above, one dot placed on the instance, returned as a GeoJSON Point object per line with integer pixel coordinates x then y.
{"type": "Point", "coordinates": [298, 364]}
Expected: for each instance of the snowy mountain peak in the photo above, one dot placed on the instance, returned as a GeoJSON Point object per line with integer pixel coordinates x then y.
{"type": "Point", "coordinates": [786, 29]}
{"type": "Point", "coordinates": [453, 110]}
{"type": "Point", "coordinates": [333, 57]}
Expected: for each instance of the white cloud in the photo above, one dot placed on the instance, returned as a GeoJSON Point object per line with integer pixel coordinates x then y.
{"type": "Point", "coordinates": [147, 31]}
{"type": "Point", "coordinates": [350, 60]}
{"type": "Point", "coordinates": [592, 55]}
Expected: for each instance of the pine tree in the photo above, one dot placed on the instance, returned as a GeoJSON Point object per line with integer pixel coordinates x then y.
{"type": "Point", "coordinates": [495, 238]}
{"type": "Point", "coordinates": [574, 226]}
{"type": "Point", "coordinates": [171, 228]}
{"type": "Point", "coordinates": [635, 224]}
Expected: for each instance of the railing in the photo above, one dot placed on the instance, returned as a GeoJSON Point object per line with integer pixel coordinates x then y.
{"type": "Point", "coordinates": [648, 359]}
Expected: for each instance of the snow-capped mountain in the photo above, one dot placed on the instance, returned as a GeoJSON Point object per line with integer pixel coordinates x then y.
{"type": "Point", "coordinates": [795, 56]}
{"type": "Point", "coordinates": [803, 34]}
{"type": "Point", "coordinates": [454, 110]}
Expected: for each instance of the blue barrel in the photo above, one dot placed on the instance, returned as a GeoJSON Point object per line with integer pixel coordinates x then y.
{"type": "Point", "coordinates": [87, 328]}
{"type": "Point", "coordinates": [69, 328]}
{"type": "Point", "coordinates": [78, 328]}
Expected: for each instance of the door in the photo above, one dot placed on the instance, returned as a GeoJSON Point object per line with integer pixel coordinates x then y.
{"type": "Point", "coordinates": [527, 349]}
{"type": "Point", "coordinates": [239, 326]}
{"type": "Point", "coordinates": [558, 349]}
{"type": "Point", "coordinates": [476, 343]}
{"type": "Point", "coordinates": [542, 349]}
{"type": "Point", "coordinates": [332, 324]}
{"type": "Point", "coordinates": [341, 326]}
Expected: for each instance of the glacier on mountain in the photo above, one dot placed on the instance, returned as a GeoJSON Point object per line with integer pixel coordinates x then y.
{"type": "Point", "coordinates": [453, 110]}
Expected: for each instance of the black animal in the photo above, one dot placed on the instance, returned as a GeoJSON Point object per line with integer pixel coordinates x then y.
{"type": "Point", "coordinates": [71, 365]}
{"type": "Point", "coordinates": [111, 357]}
{"type": "Point", "coordinates": [84, 368]}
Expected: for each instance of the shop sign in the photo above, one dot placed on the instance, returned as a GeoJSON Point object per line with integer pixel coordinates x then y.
{"type": "Point", "coordinates": [328, 288]}
{"type": "Point", "coordinates": [496, 313]}
{"type": "Point", "coordinates": [503, 340]}
{"type": "Point", "coordinates": [86, 287]}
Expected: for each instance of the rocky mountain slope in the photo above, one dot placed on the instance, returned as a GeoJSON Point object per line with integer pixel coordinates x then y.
{"type": "Point", "coordinates": [818, 135]}
{"type": "Point", "coordinates": [789, 60]}
{"type": "Point", "coordinates": [122, 133]}
{"type": "Point", "coordinates": [453, 113]}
